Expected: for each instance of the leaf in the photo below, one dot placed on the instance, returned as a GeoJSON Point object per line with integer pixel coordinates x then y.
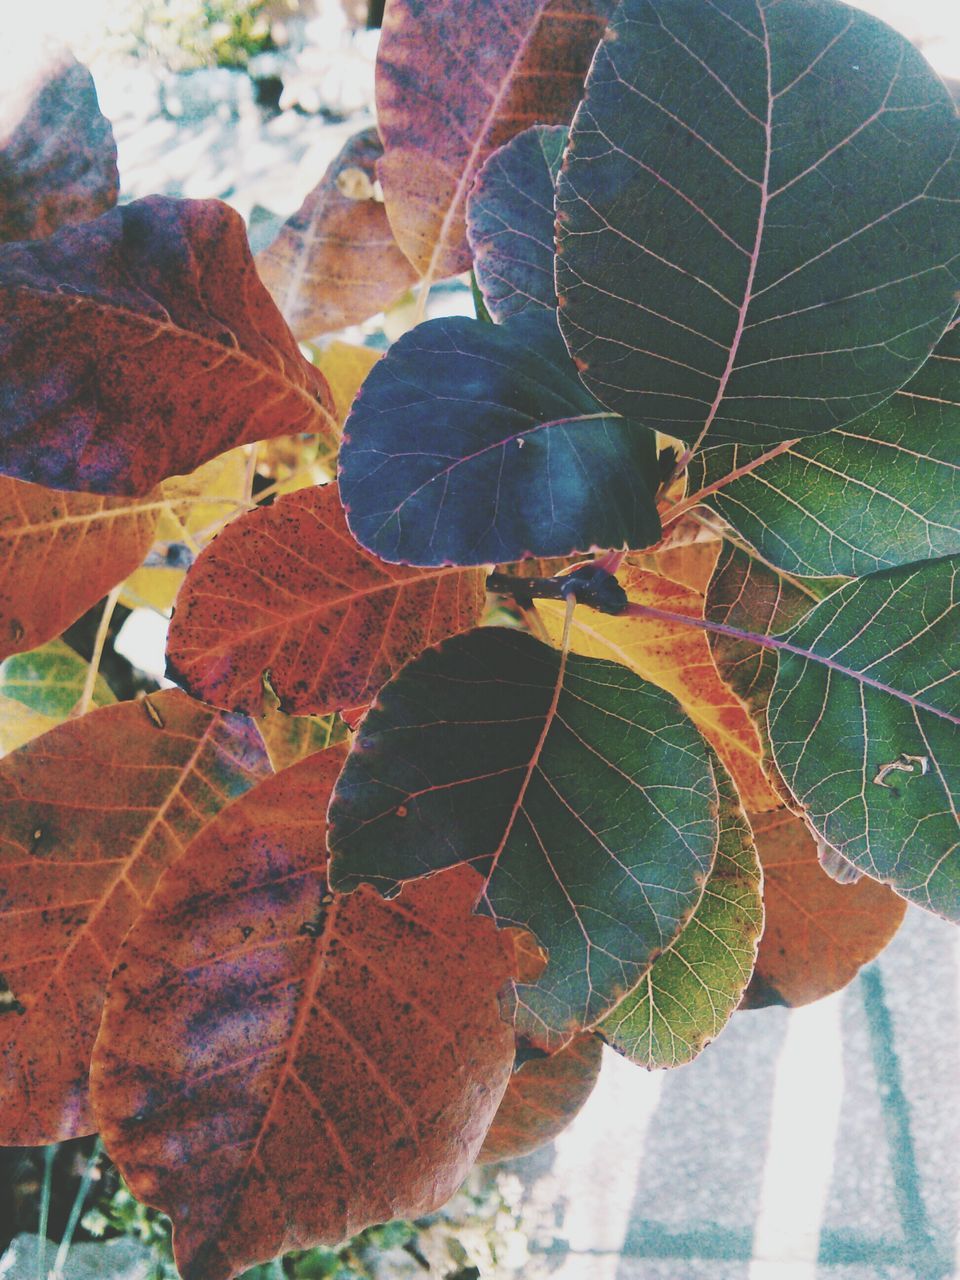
{"type": "Point", "coordinates": [445, 101]}
{"type": "Point", "coordinates": [863, 720]}
{"type": "Point", "coordinates": [689, 993]}
{"type": "Point", "coordinates": [345, 367]}
{"type": "Point", "coordinates": [92, 812]}
{"type": "Point", "coordinates": [510, 222]}
{"type": "Point", "coordinates": [676, 657]}
{"type": "Point", "coordinates": [747, 595]}
{"type": "Point", "coordinates": [758, 217]}
{"type": "Point", "coordinates": [558, 782]}
{"type": "Point", "coordinates": [38, 690]}
{"type": "Point", "coordinates": [335, 261]}
{"type": "Point", "coordinates": [881, 492]}
{"type": "Point", "coordinates": [286, 593]}
{"type": "Point", "coordinates": [62, 552]}
{"type": "Point", "coordinates": [817, 933]}
{"type": "Point", "coordinates": [138, 346]}
{"type": "Point", "coordinates": [58, 159]}
{"type": "Point", "coordinates": [278, 1067]}
{"type": "Point", "coordinates": [474, 443]}
{"type": "Point", "coordinates": [290, 739]}
{"type": "Point", "coordinates": [543, 1097]}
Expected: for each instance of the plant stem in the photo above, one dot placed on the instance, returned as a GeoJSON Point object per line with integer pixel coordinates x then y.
{"type": "Point", "coordinates": [694, 499]}
{"type": "Point", "coordinates": [93, 668]}
{"type": "Point", "coordinates": [49, 1154]}
{"type": "Point", "coordinates": [76, 1210]}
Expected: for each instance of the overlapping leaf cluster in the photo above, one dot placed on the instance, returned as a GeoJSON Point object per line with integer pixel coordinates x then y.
{"type": "Point", "coordinates": [278, 933]}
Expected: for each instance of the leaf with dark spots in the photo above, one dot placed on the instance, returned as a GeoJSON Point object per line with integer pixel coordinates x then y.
{"type": "Point", "coordinates": [473, 443]}
{"type": "Point", "coordinates": [62, 552]}
{"type": "Point", "coordinates": [817, 933]}
{"type": "Point", "coordinates": [58, 159]}
{"type": "Point", "coordinates": [335, 261]}
{"type": "Point", "coordinates": [139, 345]}
{"type": "Point", "coordinates": [445, 100]}
{"type": "Point", "coordinates": [582, 793]}
{"type": "Point", "coordinates": [544, 1095]}
{"type": "Point", "coordinates": [279, 1067]}
{"type": "Point", "coordinates": [758, 217]}
{"type": "Point", "coordinates": [90, 815]}
{"type": "Point", "coordinates": [286, 590]}
{"type": "Point", "coordinates": [510, 222]}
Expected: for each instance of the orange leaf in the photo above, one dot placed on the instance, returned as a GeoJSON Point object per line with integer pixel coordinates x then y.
{"type": "Point", "coordinates": [335, 262]}
{"type": "Point", "coordinates": [90, 814]}
{"type": "Point", "coordinates": [278, 1067]}
{"type": "Point", "coordinates": [60, 553]}
{"type": "Point", "coordinates": [139, 345]}
{"type": "Point", "coordinates": [58, 159]}
{"type": "Point", "coordinates": [286, 591]}
{"type": "Point", "coordinates": [542, 1098]}
{"type": "Point", "coordinates": [442, 110]}
{"type": "Point", "coordinates": [678, 659]}
{"type": "Point", "coordinates": [818, 932]}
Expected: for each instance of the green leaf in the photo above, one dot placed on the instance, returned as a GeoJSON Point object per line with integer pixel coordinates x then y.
{"type": "Point", "coordinates": [50, 680]}
{"type": "Point", "coordinates": [689, 993]}
{"type": "Point", "coordinates": [863, 721]}
{"type": "Point", "coordinates": [881, 492]}
{"type": "Point", "coordinates": [758, 217]}
{"type": "Point", "coordinates": [510, 222]}
{"type": "Point", "coordinates": [582, 793]}
{"type": "Point", "coordinates": [473, 443]}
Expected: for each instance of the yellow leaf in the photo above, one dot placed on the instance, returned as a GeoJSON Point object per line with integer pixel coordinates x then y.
{"type": "Point", "coordinates": [345, 365]}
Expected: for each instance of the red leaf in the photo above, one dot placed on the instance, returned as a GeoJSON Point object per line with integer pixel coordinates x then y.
{"type": "Point", "coordinates": [90, 815]}
{"type": "Point", "coordinates": [278, 1067]}
{"type": "Point", "coordinates": [287, 590]}
{"type": "Point", "coordinates": [138, 346]}
{"type": "Point", "coordinates": [817, 932]}
{"type": "Point", "coordinates": [58, 159]}
{"type": "Point", "coordinates": [335, 262]}
{"type": "Point", "coordinates": [60, 552]}
{"type": "Point", "coordinates": [542, 1098]}
{"type": "Point", "coordinates": [446, 99]}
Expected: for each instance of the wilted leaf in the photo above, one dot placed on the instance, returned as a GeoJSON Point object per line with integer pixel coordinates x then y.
{"type": "Point", "coordinates": [581, 793]}
{"type": "Point", "coordinates": [345, 366]}
{"type": "Point", "coordinates": [863, 720]}
{"type": "Point", "coordinates": [758, 217]}
{"type": "Point", "coordinates": [475, 443]}
{"type": "Point", "coordinates": [62, 552]}
{"type": "Point", "coordinates": [676, 657]}
{"type": "Point", "coordinates": [542, 1098]}
{"type": "Point", "coordinates": [883, 491]}
{"type": "Point", "coordinates": [687, 995]}
{"type": "Point", "coordinates": [335, 261]}
{"type": "Point", "coordinates": [138, 346]}
{"type": "Point", "coordinates": [510, 222]}
{"type": "Point", "coordinates": [286, 592]}
{"type": "Point", "coordinates": [58, 159]}
{"type": "Point", "coordinates": [39, 689]}
{"type": "Point", "coordinates": [289, 739]}
{"type": "Point", "coordinates": [817, 932]}
{"type": "Point", "coordinates": [446, 99]}
{"type": "Point", "coordinates": [278, 1067]}
{"type": "Point", "coordinates": [92, 812]}
{"type": "Point", "coordinates": [746, 594]}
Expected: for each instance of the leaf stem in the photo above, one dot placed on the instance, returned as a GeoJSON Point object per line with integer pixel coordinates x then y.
{"type": "Point", "coordinates": [93, 667]}
{"type": "Point", "coordinates": [75, 1211]}
{"type": "Point", "coordinates": [49, 1154]}
{"type": "Point", "coordinates": [694, 499]}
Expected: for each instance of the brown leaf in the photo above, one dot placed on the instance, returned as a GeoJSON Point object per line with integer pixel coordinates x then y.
{"type": "Point", "coordinates": [335, 262]}
{"type": "Point", "coordinates": [817, 933]}
{"type": "Point", "coordinates": [60, 553]}
{"type": "Point", "coordinates": [279, 1067]}
{"type": "Point", "coordinates": [138, 346]}
{"type": "Point", "coordinates": [455, 80]}
{"type": "Point", "coordinates": [542, 1098]}
{"type": "Point", "coordinates": [58, 159]}
{"type": "Point", "coordinates": [287, 591]}
{"type": "Point", "coordinates": [90, 814]}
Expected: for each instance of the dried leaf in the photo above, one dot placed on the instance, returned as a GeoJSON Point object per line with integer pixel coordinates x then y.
{"type": "Point", "coordinates": [817, 932]}
{"type": "Point", "coordinates": [58, 159]}
{"type": "Point", "coordinates": [285, 592]}
{"type": "Point", "coordinates": [278, 1067]}
{"type": "Point", "coordinates": [335, 261]}
{"type": "Point", "coordinates": [138, 346]}
{"type": "Point", "coordinates": [92, 812]}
